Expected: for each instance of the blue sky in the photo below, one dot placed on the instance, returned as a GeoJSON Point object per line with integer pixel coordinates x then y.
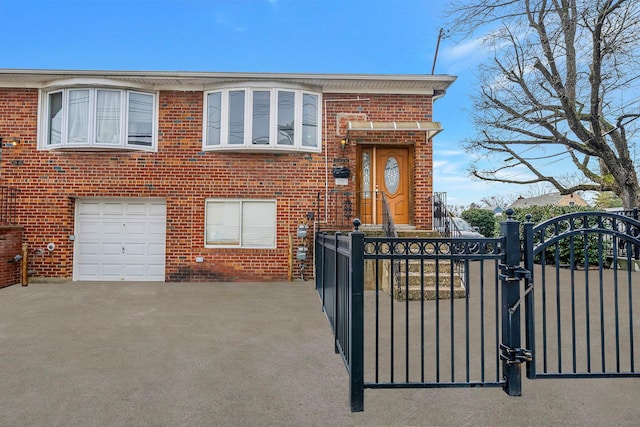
{"type": "Point", "coordinates": [314, 36]}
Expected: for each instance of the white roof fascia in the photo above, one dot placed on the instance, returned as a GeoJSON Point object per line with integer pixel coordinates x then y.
{"type": "Point", "coordinates": [167, 80]}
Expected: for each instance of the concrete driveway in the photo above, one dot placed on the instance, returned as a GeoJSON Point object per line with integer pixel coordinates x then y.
{"type": "Point", "coordinates": [231, 354]}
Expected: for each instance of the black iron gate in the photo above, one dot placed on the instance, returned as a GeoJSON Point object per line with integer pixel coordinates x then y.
{"type": "Point", "coordinates": [447, 312]}
{"type": "Point", "coordinates": [581, 307]}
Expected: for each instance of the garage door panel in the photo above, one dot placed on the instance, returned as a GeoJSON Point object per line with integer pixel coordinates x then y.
{"type": "Point", "coordinates": [156, 230]}
{"type": "Point", "coordinates": [135, 271]}
{"type": "Point", "coordinates": [133, 249]}
{"type": "Point", "coordinates": [89, 270]}
{"type": "Point", "coordinates": [112, 228]}
{"type": "Point", "coordinates": [156, 249]}
{"type": "Point", "coordinates": [88, 249]}
{"type": "Point", "coordinates": [110, 249]}
{"type": "Point", "coordinates": [88, 229]}
{"type": "Point", "coordinates": [136, 230]}
{"type": "Point", "coordinates": [156, 272]}
{"type": "Point", "coordinates": [120, 240]}
{"type": "Point", "coordinates": [157, 209]}
{"type": "Point", "coordinates": [90, 208]}
{"type": "Point", "coordinates": [113, 208]}
{"type": "Point", "coordinates": [136, 209]}
{"type": "Point", "coordinates": [111, 271]}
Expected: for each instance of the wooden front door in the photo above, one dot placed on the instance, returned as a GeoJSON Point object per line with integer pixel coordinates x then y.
{"type": "Point", "coordinates": [384, 170]}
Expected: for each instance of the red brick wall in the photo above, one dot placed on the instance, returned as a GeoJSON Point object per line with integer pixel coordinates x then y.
{"type": "Point", "coordinates": [384, 108]}
{"type": "Point", "coordinates": [10, 246]}
{"type": "Point", "coordinates": [180, 172]}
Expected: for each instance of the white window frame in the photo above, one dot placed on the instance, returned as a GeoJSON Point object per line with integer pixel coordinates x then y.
{"type": "Point", "coordinates": [272, 145]}
{"type": "Point", "coordinates": [91, 144]}
{"type": "Point", "coordinates": [241, 244]}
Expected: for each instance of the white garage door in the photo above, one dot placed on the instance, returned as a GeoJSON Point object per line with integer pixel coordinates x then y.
{"type": "Point", "coordinates": [120, 239]}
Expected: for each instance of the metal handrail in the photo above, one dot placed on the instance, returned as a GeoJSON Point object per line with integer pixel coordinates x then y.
{"type": "Point", "coordinates": [456, 231]}
{"type": "Point", "coordinates": [388, 225]}
{"type": "Point", "coordinates": [343, 206]}
{"type": "Point", "coordinates": [8, 198]}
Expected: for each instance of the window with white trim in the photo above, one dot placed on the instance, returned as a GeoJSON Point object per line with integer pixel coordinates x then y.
{"type": "Point", "coordinates": [262, 118]}
{"type": "Point", "coordinates": [240, 223]}
{"type": "Point", "coordinates": [98, 118]}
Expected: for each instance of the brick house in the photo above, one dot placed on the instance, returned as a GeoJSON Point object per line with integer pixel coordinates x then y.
{"type": "Point", "coordinates": [187, 176]}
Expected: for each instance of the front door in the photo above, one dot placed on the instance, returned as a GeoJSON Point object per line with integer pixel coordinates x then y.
{"type": "Point", "coordinates": [384, 170]}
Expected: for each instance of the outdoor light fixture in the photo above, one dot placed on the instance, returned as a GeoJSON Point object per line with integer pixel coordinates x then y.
{"type": "Point", "coordinates": [13, 143]}
{"type": "Point", "coordinates": [343, 143]}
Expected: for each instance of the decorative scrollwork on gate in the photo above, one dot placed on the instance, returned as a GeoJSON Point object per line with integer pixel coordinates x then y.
{"type": "Point", "coordinates": [432, 247]}
{"type": "Point", "coordinates": [580, 223]}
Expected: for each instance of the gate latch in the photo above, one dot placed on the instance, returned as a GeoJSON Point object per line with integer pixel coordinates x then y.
{"type": "Point", "coordinates": [515, 356]}
{"type": "Point", "coordinates": [513, 274]}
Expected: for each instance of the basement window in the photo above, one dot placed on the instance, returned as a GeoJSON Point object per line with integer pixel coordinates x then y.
{"type": "Point", "coordinates": [98, 118]}
{"type": "Point", "coordinates": [234, 223]}
{"type": "Point", "coordinates": [256, 118]}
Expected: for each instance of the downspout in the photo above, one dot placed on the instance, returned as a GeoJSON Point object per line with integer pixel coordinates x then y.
{"type": "Point", "coordinates": [437, 94]}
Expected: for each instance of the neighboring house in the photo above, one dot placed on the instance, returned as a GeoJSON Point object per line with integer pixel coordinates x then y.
{"type": "Point", "coordinates": [189, 176]}
{"type": "Point", "coordinates": [497, 210]}
{"type": "Point", "coordinates": [553, 199]}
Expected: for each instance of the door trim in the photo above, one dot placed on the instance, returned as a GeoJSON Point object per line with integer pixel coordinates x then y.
{"type": "Point", "coordinates": [409, 177]}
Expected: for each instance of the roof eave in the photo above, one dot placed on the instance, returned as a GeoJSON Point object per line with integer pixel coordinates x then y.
{"type": "Point", "coordinates": [188, 80]}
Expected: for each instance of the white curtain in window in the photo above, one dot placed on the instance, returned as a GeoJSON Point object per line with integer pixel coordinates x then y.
{"type": "Point", "coordinates": [55, 119]}
{"type": "Point", "coordinates": [259, 224]}
{"type": "Point", "coordinates": [108, 117]}
{"type": "Point", "coordinates": [78, 116]}
{"type": "Point", "coordinates": [223, 223]}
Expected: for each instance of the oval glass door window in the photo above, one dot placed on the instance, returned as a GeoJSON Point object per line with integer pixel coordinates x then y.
{"type": "Point", "coordinates": [391, 175]}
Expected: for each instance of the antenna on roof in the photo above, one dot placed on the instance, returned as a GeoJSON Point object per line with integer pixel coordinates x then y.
{"type": "Point", "coordinates": [435, 55]}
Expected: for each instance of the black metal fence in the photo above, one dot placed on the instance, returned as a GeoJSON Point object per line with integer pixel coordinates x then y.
{"type": "Point", "coordinates": [339, 282]}
{"type": "Point", "coordinates": [440, 212]}
{"type": "Point", "coordinates": [422, 328]}
{"type": "Point", "coordinates": [407, 333]}
{"type": "Point", "coordinates": [341, 207]}
{"type": "Point", "coordinates": [8, 205]}
{"type": "Point", "coordinates": [450, 315]}
{"type": "Point", "coordinates": [370, 207]}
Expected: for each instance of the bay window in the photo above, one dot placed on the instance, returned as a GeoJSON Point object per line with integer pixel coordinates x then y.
{"type": "Point", "coordinates": [262, 118]}
{"type": "Point", "coordinates": [98, 118]}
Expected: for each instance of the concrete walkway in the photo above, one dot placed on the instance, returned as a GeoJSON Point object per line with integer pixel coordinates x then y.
{"type": "Point", "coordinates": [232, 354]}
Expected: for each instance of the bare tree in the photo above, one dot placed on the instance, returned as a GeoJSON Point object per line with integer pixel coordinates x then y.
{"type": "Point", "coordinates": [561, 79]}
{"type": "Point", "coordinates": [539, 189]}
{"type": "Point", "coordinates": [501, 200]}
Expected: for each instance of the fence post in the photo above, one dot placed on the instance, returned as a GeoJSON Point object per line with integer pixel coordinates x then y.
{"type": "Point", "coordinates": [318, 255]}
{"type": "Point", "coordinates": [510, 275]}
{"type": "Point", "coordinates": [356, 324]}
{"type": "Point", "coordinates": [636, 249]}
{"type": "Point", "coordinates": [336, 292]}
{"type": "Point", "coordinates": [530, 325]}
